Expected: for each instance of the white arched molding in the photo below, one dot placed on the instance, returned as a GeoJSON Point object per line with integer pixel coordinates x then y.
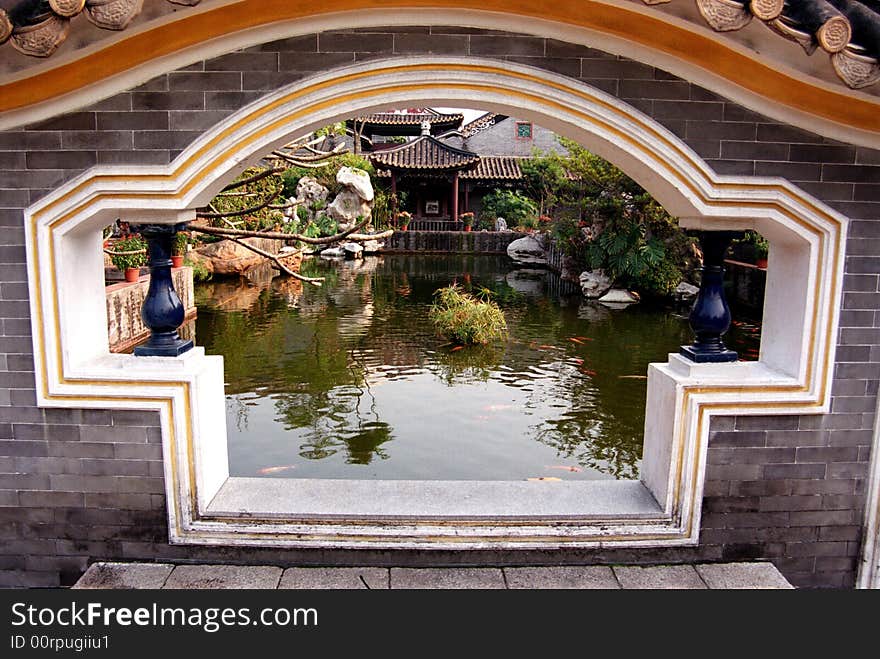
{"type": "Point", "coordinates": [75, 369]}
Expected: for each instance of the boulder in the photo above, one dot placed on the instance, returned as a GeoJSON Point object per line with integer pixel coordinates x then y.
{"type": "Point", "coordinates": [619, 297]}
{"type": "Point", "coordinates": [594, 283]}
{"type": "Point", "coordinates": [332, 253]}
{"type": "Point", "coordinates": [309, 191]}
{"type": "Point", "coordinates": [500, 224]}
{"type": "Point", "coordinates": [346, 209]}
{"type": "Point", "coordinates": [372, 246]}
{"type": "Point", "coordinates": [686, 292]}
{"type": "Point", "coordinates": [527, 251]}
{"type": "Point", "coordinates": [353, 250]}
{"type": "Point", "coordinates": [226, 257]}
{"type": "Point", "coordinates": [357, 180]}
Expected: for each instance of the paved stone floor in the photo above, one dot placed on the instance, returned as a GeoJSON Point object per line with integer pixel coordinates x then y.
{"type": "Point", "coordinates": [167, 576]}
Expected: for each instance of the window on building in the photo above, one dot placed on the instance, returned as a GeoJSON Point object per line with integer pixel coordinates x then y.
{"type": "Point", "coordinates": [523, 130]}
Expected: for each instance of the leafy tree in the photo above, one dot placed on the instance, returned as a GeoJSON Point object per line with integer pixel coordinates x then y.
{"type": "Point", "coordinates": [545, 180]}
{"type": "Point", "coordinates": [513, 206]}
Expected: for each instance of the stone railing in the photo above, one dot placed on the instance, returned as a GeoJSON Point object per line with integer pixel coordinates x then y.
{"type": "Point", "coordinates": [457, 242]}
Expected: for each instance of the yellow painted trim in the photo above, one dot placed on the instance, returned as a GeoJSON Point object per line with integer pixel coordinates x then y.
{"type": "Point", "coordinates": [690, 45]}
{"type": "Point", "coordinates": [208, 172]}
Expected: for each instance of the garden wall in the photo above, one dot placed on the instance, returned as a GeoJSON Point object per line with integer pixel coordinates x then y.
{"type": "Point", "coordinates": [83, 485]}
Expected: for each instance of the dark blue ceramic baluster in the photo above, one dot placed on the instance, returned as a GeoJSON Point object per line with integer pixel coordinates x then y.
{"type": "Point", "coordinates": [162, 310]}
{"type": "Point", "coordinates": [710, 317]}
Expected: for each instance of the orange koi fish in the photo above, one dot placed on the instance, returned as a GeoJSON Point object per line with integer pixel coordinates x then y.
{"type": "Point", "coordinates": [578, 361]}
{"type": "Point", "coordinates": [457, 348]}
{"type": "Point", "coordinates": [633, 377]}
{"type": "Point", "coordinates": [546, 347]}
{"type": "Point", "coordinates": [564, 468]}
{"type": "Point", "coordinates": [587, 371]}
{"type": "Point", "coordinates": [275, 470]}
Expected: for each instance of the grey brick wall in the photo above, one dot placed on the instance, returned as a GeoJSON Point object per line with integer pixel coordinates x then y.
{"type": "Point", "coordinates": [78, 486]}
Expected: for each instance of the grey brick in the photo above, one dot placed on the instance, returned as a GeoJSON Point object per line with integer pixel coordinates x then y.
{"type": "Point", "coordinates": [848, 470]}
{"type": "Point", "coordinates": [735, 472]}
{"type": "Point", "coordinates": [793, 471]}
{"type": "Point", "coordinates": [781, 133]}
{"type": "Point", "coordinates": [166, 101]}
{"type": "Point", "coordinates": [24, 482]}
{"type": "Point", "coordinates": [114, 140]}
{"type": "Point", "coordinates": [688, 110]}
{"type": "Point", "coordinates": [860, 301]}
{"type": "Point", "coordinates": [863, 229]}
{"type": "Point", "coordinates": [162, 139]}
{"type": "Point", "coordinates": [341, 42]}
{"type": "Point", "coordinates": [205, 81]}
{"type": "Point", "coordinates": [565, 49]}
{"type": "Point", "coordinates": [863, 264]}
{"type": "Point", "coordinates": [821, 518]}
{"type": "Point", "coordinates": [762, 455]}
{"type": "Point", "coordinates": [197, 120]}
{"type": "Point", "coordinates": [243, 62]}
{"type": "Point", "coordinates": [852, 354]}
{"type": "Point", "coordinates": [850, 387]}
{"type": "Point", "coordinates": [507, 46]}
{"type": "Point", "coordinates": [52, 499]}
{"type": "Point", "coordinates": [829, 192]}
{"type": "Point", "coordinates": [147, 120]}
{"type": "Point", "coordinates": [261, 80]}
{"type": "Point", "coordinates": [826, 454]}
{"type": "Point", "coordinates": [849, 438]}
{"type": "Point", "coordinates": [823, 153]}
{"type": "Point", "coordinates": [852, 533]}
{"type": "Point", "coordinates": [71, 121]}
{"type": "Point", "coordinates": [61, 159]}
{"type": "Point", "coordinates": [606, 68]}
{"type": "Point", "coordinates": [117, 501]}
{"type": "Point", "coordinates": [841, 502]}
{"type": "Point", "coordinates": [114, 434]}
{"type": "Point", "coordinates": [305, 44]}
{"type": "Point", "coordinates": [793, 171]}
{"type": "Point", "coordinates": [760, 488]}
{"type": "Point", "coordinates": [434, 44]}
{"type": "Point", "coordinates": [561, 65]}
{"type": "Point", "coordinates": [137, 451]}
{"type": "Point", "coordinates": [140, 157]}
{"type": "Point", "coordinates": [229, 100]}
{"type": "Point", "coordinates": [851, 173]}
{"type": "Point", "coordinates": [791, 502]}
{"type": "Point", "coordinates": [157, 84]}
{"type": "Point", "coordinates": [796, 437]}
{"type": "Point", "coordinates": [83, 449]}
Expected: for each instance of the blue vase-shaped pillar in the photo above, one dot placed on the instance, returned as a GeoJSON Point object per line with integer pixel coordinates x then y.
{"type": "Point", "coordinates": [162, 311]}
{"type": "Point", "coordinates": [710, 316]}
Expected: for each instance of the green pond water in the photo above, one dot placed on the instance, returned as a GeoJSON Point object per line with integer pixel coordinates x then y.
{"type": "Point", "coordinates": [350, 381]}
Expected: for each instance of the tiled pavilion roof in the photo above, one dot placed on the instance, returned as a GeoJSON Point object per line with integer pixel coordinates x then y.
{"type": "Point", "coordinates": [848, 30]}
{"type": "Point", "coordinates": [495, 168]}
{"type": "Point", "coordinates": [426, 153]}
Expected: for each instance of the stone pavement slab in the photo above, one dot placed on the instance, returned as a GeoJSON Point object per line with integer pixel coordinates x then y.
{"type": "Point", "coordinates": [347, 578]}
{"type": "Point", "coordinates": [579, 576]}
{"type": "Point", "coordinates": [224, 576]}
{"type": "Point", "coordinates": [124, 576]}
{"type": "Point", "coordinates": [742, 575]}
{"type": "Point", "coordinates": [658, 576]}
{"type": "Point", "coordinates": [446, 578]}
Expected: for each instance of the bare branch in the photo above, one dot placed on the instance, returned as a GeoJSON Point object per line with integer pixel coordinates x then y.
{"type": "Point", "coordinates": [129, 253]}
{"type": "Point", "coordinates": [277, 235]}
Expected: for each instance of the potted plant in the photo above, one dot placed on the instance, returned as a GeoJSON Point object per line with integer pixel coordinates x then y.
{"type": "Point", "coordinates": [762, 249]}
{"type": "Point", "coordinates": [178, 249]}
{"type": "Point", "coordinates": [128, 255]}
{"type": "Point", "coordinates": [403, 219]}
{"type": "Point", "coordinates": [468, 220]}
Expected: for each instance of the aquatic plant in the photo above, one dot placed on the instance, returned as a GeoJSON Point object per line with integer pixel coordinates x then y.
{"type": "Point", "coordinates": [465, 319]}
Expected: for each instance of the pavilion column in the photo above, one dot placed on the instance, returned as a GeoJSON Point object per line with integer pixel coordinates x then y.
{"type": "Point", "coordinates": [394, 205]}
{"type": "Point", "coordinates": [455, 197]}
{"type": "Point", "coordinates": [162, 311]}
{"type": "Point", "coordinates": [710, 316]}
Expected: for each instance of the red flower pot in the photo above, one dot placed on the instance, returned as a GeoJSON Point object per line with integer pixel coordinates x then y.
{"type": "Point", "coordinates": [177, 260]}
{"type": "Point", "coordinates": [467, 227]}
{"type": "Point", "coordinates": [132, 275]}
{"type": "Point", "coordinates": [761, 263]}
{"type": "Point", "coordinates": [403, 228]}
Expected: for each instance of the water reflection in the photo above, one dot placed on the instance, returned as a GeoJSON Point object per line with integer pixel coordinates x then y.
{"type": "Point", "coordinates": [350, 380]}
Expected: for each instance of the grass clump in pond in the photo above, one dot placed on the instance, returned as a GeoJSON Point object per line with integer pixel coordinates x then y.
{"type": "Point", "coordinates": [465, 319]}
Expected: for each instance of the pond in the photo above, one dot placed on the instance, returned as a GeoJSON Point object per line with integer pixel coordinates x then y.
{"type": "Point", "coordinates": [350, 380]}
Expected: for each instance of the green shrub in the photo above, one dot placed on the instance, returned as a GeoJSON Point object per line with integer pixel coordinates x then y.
{"type": "Point", "coordinates": [200, 270]}
{"type": "Point", "coordinates": [465, 319]}
{"type": "Point", "coordinates": [514, 207]}
{"type": "Point", "coordinates": [178, 245]}
{"type": "Point", "coordinates": [131, 244]}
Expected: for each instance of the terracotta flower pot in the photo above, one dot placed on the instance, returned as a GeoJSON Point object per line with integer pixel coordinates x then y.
{"type": "Point", "coordinates": [761, 263]}
{"type": "Point", "coordinates": [467, 227]}
{"type": "Point", "coordinates": [132, 275]}
{"type": "Point", "coordinates": [403, 227]}
{"type": "Point", "coordinates": [177, 260]}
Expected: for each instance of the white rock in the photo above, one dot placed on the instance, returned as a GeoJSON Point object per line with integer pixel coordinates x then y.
{"type": "Point", "coordinates": [353, 250]}
{"type": "Point", "coordinates": [373, 246]}
{"type": "Point", "coordinates": [619, 296]}
{"type": "Point", "coordinates": [594, 283]}
{"type": "Point", "coordinates": [308, 191]}
{"type": "Point", "coordinates": [500, 224]}
{"type": "Point", "coordinates": [347, 207]}
{"type": "Point", "coordinates": [686, 292]}
{"type": "Point", "coordinates": [357, 180]}
{"type": "Point", "coordinates": [332, 253]}
{"type": "Point", "coordinates": [528, 250]}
